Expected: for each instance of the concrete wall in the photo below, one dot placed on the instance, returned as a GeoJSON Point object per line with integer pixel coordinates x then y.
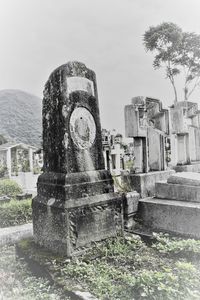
{"type": "Point", "coordinates": [27, 180]}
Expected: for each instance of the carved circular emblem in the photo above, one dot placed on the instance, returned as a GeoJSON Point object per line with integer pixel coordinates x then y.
{"type": "Point", "coordinates": [82, 128]}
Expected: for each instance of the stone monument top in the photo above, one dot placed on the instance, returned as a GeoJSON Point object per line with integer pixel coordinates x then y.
{"type": "Point", "coordinates": [71, 124]}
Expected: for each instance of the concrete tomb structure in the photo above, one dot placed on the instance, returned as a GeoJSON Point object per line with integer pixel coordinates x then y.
{"type": "Point", "coordinates": [75, 204]}
{"type": "Point", "coordinates": [148, 124]}
{"type": "Point", "coordinates": [176, 206]}
{"type": "Point", "coordinates": [185, 136]}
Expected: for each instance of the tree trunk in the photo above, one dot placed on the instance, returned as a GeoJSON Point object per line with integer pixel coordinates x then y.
{"type": "Point", "coordinates": [175, 92]}
{"type": "Point", "coordinates": [185, 93]}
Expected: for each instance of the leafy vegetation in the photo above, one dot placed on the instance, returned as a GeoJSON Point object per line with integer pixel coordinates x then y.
{"type": "Point", "coordinates": [121, 185]}
{"type": "Point", "coordinates": [124, 268]}
{"type": "Point", "coordinates": [3, 140]}
{"type": "Point", "coordinates": [3, 171]}
{"type": "Point", "coordinates": [15, 213]}
{"type": "Point", "coordinates": [177, 246]}
{"type": "Point", "coordinates": [178, 52]}
{"type": "Point", "coordinates": [9, 187]}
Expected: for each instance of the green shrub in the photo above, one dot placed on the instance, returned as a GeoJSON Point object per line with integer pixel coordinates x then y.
{"type": "Point", "coordinates": [176, 246]}
{"type": "Point", "coordinates": [15, 213]}
{"type": "Point", "coordinates": [3, 171]}
{"type": "Point", "coordinates": [9, 187]}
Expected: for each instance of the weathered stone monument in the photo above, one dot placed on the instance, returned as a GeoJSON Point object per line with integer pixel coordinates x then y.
{"type": "Point", "coordinates": [185, 136]}
{"type": "Point", "coordinates": [148, 124]}
{"type": "Point", "coordinates": [176, 206]}
{"type": "Point", "coordinates": [75, 204]}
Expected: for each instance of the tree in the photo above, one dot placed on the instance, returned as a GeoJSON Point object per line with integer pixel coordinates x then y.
{"type": "Point", "coordinates": [189, 59]}
{"type": "Point", "coordinates": [2, 139]}
{"type": "Point", "coordinates": [177, 51]}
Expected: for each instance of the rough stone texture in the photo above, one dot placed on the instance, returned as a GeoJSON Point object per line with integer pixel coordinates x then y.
{"type": "Point", "coordinates": [173, 216]}
{"type": "Point", "coordinates": [76, 203]}
{"type": "Point", "coordinates": [148, 124]}
{"type": "Point", "coordinates": [185, 135]}
{"type": "Point", "coordinates": [131, 200]}
{"type": "Point", "coordinates": [194, 167]}
{"type": "Point", "coordinates": [144, 183]}
{"type": "Point", "coordinates": [177, 192]}
{"type": "Point", "coordinates": [185, 178]}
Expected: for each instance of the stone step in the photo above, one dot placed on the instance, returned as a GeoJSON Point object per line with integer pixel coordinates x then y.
{"type": "Point", "coordinates": [177, 192]}
{"type": "Point", "coordinates": [193, 167]}
{"type": "Point", "coordinates": [176, 217]}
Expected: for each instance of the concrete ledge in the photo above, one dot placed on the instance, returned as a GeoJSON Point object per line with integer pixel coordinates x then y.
{"type": "Point", "coordinates": [144, 183]}
{"type": "Point", "coordinates": [11, 235]}
{"type": "Point", "coordinates": [171, 216]}
{"type": "Point", "coordinates": [194, 167]}
{"type": "Point", "coordinates": [178, 192]}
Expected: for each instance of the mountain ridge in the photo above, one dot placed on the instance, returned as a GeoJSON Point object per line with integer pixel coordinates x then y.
{"type": "Point", "coordinates": [21, 116]}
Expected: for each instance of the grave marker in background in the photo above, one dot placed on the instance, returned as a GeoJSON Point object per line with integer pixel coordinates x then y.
{"type": "Point", "coordinates": [185, 136]}
{"type": "Point", "coordinates": [148, 124]}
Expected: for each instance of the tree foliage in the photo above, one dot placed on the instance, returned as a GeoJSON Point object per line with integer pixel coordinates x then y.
{"type": "Point", "coordinates": [2, 139]}
{"type": "Point", "coordinates": [178, 52]}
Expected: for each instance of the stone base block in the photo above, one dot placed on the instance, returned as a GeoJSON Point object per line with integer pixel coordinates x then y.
{"type": "Point", "coordinates": [171, 216]}
{"type": "Point", "coordinates": [178, 192]}
{"type": "Point", "coordinates": [144, 183]}
{"type": "Point", "coordinates": [194, 167]}
{"type": "Point", "coordinates": [68, 227]}
{"type": "Point", "coordinates": [130, 203]}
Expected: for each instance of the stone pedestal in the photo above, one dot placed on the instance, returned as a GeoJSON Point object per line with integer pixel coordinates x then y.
{"type": "Point", "coordinates": [144, 183]}
{"type": "Point", "coordinates": [131, 200]}
{"type": "Point", "coordinates": [185, 137]}
{"type": "Point", "coordinates": [176, 207]}
{"type": "Point", "coordinates": [76, 203]}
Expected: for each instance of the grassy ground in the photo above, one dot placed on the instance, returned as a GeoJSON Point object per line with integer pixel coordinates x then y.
{"type": "Point", "coordinates": [17, 282]}
{"type": "Point", "coordinates": [15, 213]}
{"type": "Point", "coordinates": [126, 269]}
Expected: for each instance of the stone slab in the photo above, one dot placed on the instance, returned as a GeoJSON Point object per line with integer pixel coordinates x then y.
{"type": "Point", "coordinates": [177, 217]}
{"type": "Point", "coordinates": [130, 203]}
{"type": "Point", "coordinates": [185, 178]}
{"type": "Point", "coordinates": [177, 192]}
{"type": "Point", "coordinates": [144, 183]}
{"type": "Point", "coordinates": [13, 234]}
{"type": "Point", "coordinates": [194, 167]}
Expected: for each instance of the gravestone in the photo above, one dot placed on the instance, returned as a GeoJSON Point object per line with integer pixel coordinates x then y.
{"type": "Point", "coordinates": [185, 136]}
{"type": "Point", "coordinates": [148, 124]}
{"type": "Point", "coordinates": [175, 207]}
{"type": "Point", "coordinates": [76, 203]}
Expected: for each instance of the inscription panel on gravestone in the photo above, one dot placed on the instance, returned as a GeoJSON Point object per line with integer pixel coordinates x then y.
{"type": "Point", "coordinates": [95, 225]}
{"type": "Point", "coordinates": [80, 84]}
{"type": "Point", "coordinates": [82, 128]}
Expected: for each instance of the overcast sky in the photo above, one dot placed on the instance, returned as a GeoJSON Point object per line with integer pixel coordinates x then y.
{"type": "Point", "coordinates": [39, 35]}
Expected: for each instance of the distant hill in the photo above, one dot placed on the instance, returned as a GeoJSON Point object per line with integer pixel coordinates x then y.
{"type": "Point", "coordinates": [21, 116]}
